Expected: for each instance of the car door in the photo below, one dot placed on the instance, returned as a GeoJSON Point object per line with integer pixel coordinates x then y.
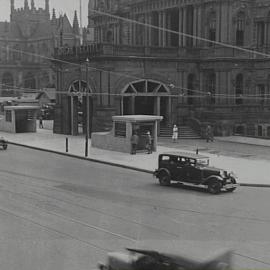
{"type": "Point", "coordinates": [180, 169]}
{"type": "Point", "coordinates": [194, 172]}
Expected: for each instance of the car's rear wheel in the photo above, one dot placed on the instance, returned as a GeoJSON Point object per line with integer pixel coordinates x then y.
{"type": "Point", "coordinates": [232, 189]}
{"type": "Point", "coordinates": [214, 187]}
{"type": "Point", "coordinates": [5, 146]}
{"type": "Point", "coordinates": [164, 179]}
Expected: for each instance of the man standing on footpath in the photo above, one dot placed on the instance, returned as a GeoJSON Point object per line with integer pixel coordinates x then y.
{"type": "Point", "coordinates": [148, 142]}
{"type": "Point", "coordinates": [134, 143]}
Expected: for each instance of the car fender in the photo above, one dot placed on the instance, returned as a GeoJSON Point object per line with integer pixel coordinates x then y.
{"type": "Point", "coordinates": [159, 171]}
{"type": "Point", "coordinates": [211, 178]}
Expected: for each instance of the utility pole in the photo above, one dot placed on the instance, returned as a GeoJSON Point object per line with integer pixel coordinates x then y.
{"type": "Point", "coordinates": [87, 111]}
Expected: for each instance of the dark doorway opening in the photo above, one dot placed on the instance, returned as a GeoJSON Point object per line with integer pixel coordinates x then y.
{"type": "Point", "coordinates": [144, 105]}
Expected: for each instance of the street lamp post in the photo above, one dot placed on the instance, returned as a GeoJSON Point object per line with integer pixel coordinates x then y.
{"type": "Point", "coordinates": [87, 111]}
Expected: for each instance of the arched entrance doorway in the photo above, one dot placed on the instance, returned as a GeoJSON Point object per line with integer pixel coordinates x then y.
{"type": "Point", "coordinates": [147, 97]}
{"type": "Point", "coordinates": [79, 91]}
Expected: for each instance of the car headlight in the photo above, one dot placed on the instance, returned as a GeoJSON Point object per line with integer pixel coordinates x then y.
{"type": "Point", "coordinates": [222, 173]}
{"type": "Point", "coordinates": [232, 174]}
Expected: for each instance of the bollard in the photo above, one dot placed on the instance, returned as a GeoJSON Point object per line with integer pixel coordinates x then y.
{"type": "Point", "coordinates": [86, 146]}
{"type": "Point", "coordinates": [66, 145]}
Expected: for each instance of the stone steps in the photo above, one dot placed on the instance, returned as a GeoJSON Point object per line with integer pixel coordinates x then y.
{"type": "Point", "coordinates": [184, 132]}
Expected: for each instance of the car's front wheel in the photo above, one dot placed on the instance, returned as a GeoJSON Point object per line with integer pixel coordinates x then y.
{"type": "Point", "coordinates": [164, 179]}
{"type": "Point", "coordinates": [214, 187]}
{"type": "Point", "coordinates": [5, 146]}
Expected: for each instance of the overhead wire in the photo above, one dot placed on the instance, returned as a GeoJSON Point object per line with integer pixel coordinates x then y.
{"type": "Point", "coordinates": [202, 92]}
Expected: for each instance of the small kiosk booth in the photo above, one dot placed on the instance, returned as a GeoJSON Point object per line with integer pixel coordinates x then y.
{"type": "Point", "coordinates": [19, 119]}
{"type": "Point", "coordinates": [118, 139]}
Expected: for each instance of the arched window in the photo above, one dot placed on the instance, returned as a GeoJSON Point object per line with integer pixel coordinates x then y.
{"type": "Point", "coordinates": [109, 36]}
{"type": "Point", "coordinates": [7, 84]}
{"type": "Point", "coordinates": [31, 53]}
{"type": "Point", "coordinates": [212, 26]}
{"type": "Point", "coordinates": [240, 29]}
{"type": "Point", "coordinates": [239, 85]}
{"type": "Point", "coordinates": [16, 53]}
{"type": "Point", "coordinates": [45, 79]}
{"type": "Point", "coordinates": [211, 86]}
{"type": "Point", "coordinates": [29, 81]}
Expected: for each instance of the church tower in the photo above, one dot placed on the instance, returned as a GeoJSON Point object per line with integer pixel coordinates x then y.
{"type": "Point", "coordinates": [12, 6]}
{"type": "Point", "coordinates": [47, 7]}
{"type": "Point", "coordinates": [76, 28]}
{"type": "Point", "coordinates": [26, 6]}
{"type": "Point", "coordinates": [32, 5]}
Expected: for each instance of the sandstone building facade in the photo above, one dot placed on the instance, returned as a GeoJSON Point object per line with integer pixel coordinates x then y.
{"type": "Point", "coordinates": [135, 69]}
{"type": "Point", "coordinates": [32, 32]}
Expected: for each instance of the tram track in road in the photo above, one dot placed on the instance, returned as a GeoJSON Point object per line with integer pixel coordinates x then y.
{"type": "Point", "coordinates": [70, 236]}
{"type": "Point", "coordinates": [80, 205]}
{"type": "Point", "coordinates": [137, 201]}
{"type": "Point", "coordinates": [60, 216]}
{"type": "Point", "coordinates": [49, 229]}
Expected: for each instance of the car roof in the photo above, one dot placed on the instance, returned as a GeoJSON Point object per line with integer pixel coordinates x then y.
{"type": "Point", "coordinates": [183, 154]}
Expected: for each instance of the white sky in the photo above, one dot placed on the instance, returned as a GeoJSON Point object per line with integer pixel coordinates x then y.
{"type": "Point", "coordinates": [61, 7]}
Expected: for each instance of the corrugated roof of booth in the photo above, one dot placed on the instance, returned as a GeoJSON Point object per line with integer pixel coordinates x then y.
{"type": "Point", "coordinates": [137, 118]}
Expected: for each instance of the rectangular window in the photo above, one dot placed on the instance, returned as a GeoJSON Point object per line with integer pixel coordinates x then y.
{"type": "Point", "coordinates": [120, 129]}
{"type": "Point", "coordinates": [261, 93]}
{"type": "Point", "coordinates": [8, 116]}
{"type": "Point", "coordinates": [260, 33]}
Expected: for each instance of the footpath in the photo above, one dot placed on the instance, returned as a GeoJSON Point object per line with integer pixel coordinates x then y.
{"type": "Point", "coordinates": [250, 172]}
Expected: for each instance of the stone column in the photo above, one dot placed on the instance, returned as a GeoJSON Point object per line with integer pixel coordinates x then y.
{"type": "Point", "coordinates": [199, 28]}
{"type": "Point", "coordinates": [195, 20]}
{"type": "Point", "coordinates": [217, 90]}
{"type": "Point", "coordinates": [200, 100]}
{"type": "Point", "coordinates": [160, 25]}
{"type": "Point", "coordinates": [164, 26]}
{"type": "Point", "coordinates": [169, 26]}
{"type": "Point", "coordinates": [180, 40]}
{"type": "Point", "coordinates": [184, 26]}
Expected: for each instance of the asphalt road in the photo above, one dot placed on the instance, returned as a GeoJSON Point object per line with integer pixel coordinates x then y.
{"type": "Point", "coordinates": [63, 213]}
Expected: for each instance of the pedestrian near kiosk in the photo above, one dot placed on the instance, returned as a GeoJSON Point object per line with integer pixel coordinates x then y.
{"type": "Point", "coordinates": [134, 140]}
{"type": "Point", "coordinates": [175, 133]}
{"type": "Point", "coordinates": [40, 122]}
{"type": "Point", "coordinates": [209, 134]}
{"type": "Point", "coordinates": [148, 142]}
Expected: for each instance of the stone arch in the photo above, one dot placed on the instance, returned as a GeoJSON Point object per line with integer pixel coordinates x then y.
{"type": "Point", "coordinates": [45, 79]}
{"type": "Point", "coordinates": [147, 97]}
{"type": "Point", "coordinates": [7, 84]}
{"type": "Point", "coordinates": [31, 53]}
{"type": "Point", "coordinates": [109, 36]}
{"type": "Point", "coordinates": [79, 102]}
{"type": "Point", "coordinates": [146, 86]}
{"type": "Point", "coordinates": [30, 81]}
{"type": "Point", "coordinates": [16, 53]}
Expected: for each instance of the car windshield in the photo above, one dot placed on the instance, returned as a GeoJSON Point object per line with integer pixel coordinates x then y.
{"type": "Point", "coordinates": [203, 161]}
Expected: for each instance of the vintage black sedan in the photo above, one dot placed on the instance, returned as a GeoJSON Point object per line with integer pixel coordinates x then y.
{"type": "Point", "coordinates": [193, 169]}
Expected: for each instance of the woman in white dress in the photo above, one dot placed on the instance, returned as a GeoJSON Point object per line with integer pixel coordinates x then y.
{"type": "Point", "coordinates": [175, 133]}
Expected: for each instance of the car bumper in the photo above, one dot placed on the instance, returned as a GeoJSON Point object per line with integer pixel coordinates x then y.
{"type": "Point", "coordinates": [231, 185]}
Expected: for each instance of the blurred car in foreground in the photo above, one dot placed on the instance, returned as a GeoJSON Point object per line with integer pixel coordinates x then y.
{"type": "Point", "coordinates": [138, 259]}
